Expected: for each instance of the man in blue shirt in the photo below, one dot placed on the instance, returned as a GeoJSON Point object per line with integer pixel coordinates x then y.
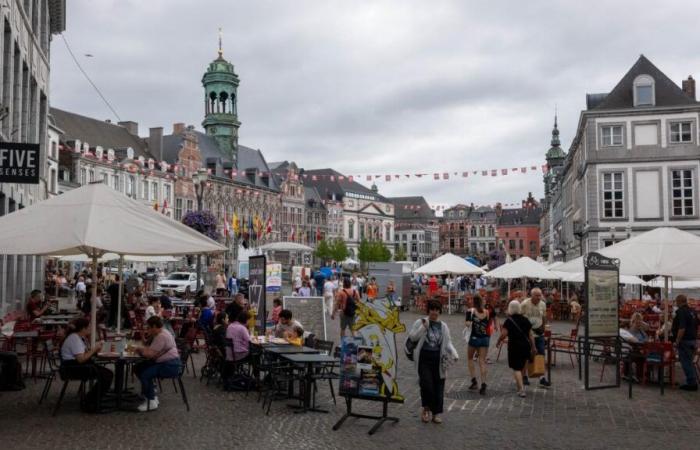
{"type": "Point", "coordinates": [685, 333]}
{"type": "Point", "coordinates": [232, 285]}
{"type": "Point", "coordinates": [319, 279]}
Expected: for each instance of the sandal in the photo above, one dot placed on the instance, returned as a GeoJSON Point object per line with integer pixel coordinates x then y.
{"type": "Point", "coordinates": [425, 416]}
{"type": "Point", "coordinates": [521, 394]}
{"type": "Point", "coordinates": [437, 419]}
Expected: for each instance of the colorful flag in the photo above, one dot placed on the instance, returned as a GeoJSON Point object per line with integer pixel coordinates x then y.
{"type": "Point", "coordinates": [235, 224]}
{"type": "Point", "coordinates": [269, 226]}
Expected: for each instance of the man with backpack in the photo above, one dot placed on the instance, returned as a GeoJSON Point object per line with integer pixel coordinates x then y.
{"type": "Point", "coordinates": [345, 305]}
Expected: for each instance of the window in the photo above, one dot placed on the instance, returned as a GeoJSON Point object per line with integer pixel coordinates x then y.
{"type": "Point", "coordinates": [644, 91]}
{"type": "Point", "coordinates": [452, 243]}
{"type": "Point", "coordinates": [83, 177]}
{"type": "Point", "coordinates": [144, 190]}
{"type": "Point", "coordinates": [521, 246]}
{"type": "Point", "coordinates": [461, 242]}
{"type": "Point", "coordinates": [472, 233]}
{"type": "Point", "coordinates": [611, 135]}
{"type": "Point", "coordinates": [517, 234]}
{"type": "Point", "coordinates": [533, 247]}
{"type": "Point", "coordinates": [492, 246]}
{"type": "Point", "coordinates": [178, 209]}
{"type": "Point", "coordinates": [482, 231]}
{"type": "Point", "coordinates": [491, 231]}
{"type": "Point", "coordinates": [105, 178]}
{"type": "Point", "coordinates": [387, 232]}
{"type": "Point", "coordinates": [613, 195]}
{"type": "Point", "coordinates": [414, 247]}
{"type": "Point", "coordinates": [130, 184]}
{"type": "Point", "coordinates": [351, 230]}
{"type": "Point", "coordinates": [167, 192]}
{"type": "Point", "coordinates": [190, 206]}
{"type": "Point", "coordinates": [92, 175]}
{"type": "Point", "coordinates": [116, 182]}
{"type": "Point", "coordinates": [511, 244]}
{"type": "Point", "coordinates": [682, 193]}
{"type": "Point", "coordinates": [681, 132]}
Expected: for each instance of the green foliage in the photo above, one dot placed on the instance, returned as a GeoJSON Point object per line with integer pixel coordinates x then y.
{"type": "Point", "coordinates": [373, 251]}
{"type": "Point", "coordinates": [338, 250]}
{"type": "Point", "coordinates": [323, 251]}
{"type": "Point", "coordinates": [400, 254]}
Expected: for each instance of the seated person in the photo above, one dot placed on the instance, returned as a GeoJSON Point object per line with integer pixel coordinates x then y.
{"type": "Point", "coordinates": [218, 334]}
{"type": "Point", "coordinates": [163, 362]}
{"type": "Point", "coordinates": [236, 306]}
{"type": "Point", "coordinates": [34, 308]}
{"type": "Point", "coordinates": [76, 362]}
{"type": "Point", "coordinates": [153, 309]}
{"type": "Point", "coordinates": [206, 315]}
{"type": "Point", "coordinates": [238, 347]}
{"type": "Point", "coordinates": [295, 336]}
{"type": "Point", "coordinates": [637, 329]}
{"type": "Point", "coordinates": [166, 300]}
{"type": "Point", "coordinates": [276, 310]}
{"type": "Point", "coordinates": [285, 324]}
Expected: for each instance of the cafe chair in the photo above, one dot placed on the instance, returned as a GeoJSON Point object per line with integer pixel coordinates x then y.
{"type": "Point", "coordinates": [53, 360]}
{"type": "Point", "coordinates": [81, 389]}
{"type": "Point", "coordinates": [185, 354]}
{"type": "Point", "coordinates": [567, 345]}
{"type": "Point", "coordinates": [277, 383]}
{"type": "Point", "coordinates": [325, 372]}
{"type": "Point", "coordinates": [659, 355]}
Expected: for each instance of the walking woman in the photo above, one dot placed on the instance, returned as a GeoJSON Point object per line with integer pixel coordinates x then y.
{"type": "Point", "coordinates": [478, 320]}
{"type": "Point", "coordinates": [521, 343]}
{"type": "Point", "coordinates": [433, 353]}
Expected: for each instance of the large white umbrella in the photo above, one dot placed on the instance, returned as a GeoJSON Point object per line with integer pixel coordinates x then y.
{"type": "Point", "coordinates": [449, 264]}
{"type": "Point", "coordinates": [574, 277]}
{"type": "Point", "coordinates": [94, 220]}
{"type": "Point", "coordinates": [107, 257]}
{"type": "Point", "coordinates": [524, 267]}
{"type": "Point", "coordinates": [286, 247]}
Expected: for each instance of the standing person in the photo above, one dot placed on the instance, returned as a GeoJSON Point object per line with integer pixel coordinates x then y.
{"type": "Point", "coordinates": [478, 319]}
{"type": "Point", "coordinates": [232, 284]}
{"type": "Point", "coordinates": [432, 354]}
{"type": "Point", "coordinates": [319, 280]}
{"type": "Point", "coordinates": [305, 289]}
{"type": "Point", "coordinates": [575, 308]}
{"type": "Point", "coordinates": [221, 284]}
{"type": "Point", "coordinates": [432, 286]}
{"type": "Point", "coordinates": [345, 306]}
{"type": "Point", "coordinates": [685, 332]}
{"type": "Point", "coordinates": [163, 362]}
{"type": "Point", "coordinates": [297, 282]}
{"type": "Point", "coordinates": [391, 293]}
{"type": "Point", "coordinates": [372, 290]}
{"type": "Point", "coordinates": [328, 294]}
{"type": "Point", "coordinates": [521, 344]}
{"type": "Point", "coordinates": [535, 310]}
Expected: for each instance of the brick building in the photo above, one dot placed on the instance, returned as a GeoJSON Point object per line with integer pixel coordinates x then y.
{"type": "Point", "coordinates": [518, 229]}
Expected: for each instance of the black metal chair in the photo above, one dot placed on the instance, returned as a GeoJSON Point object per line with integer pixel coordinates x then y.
{"type": "Point", "coordinates": [53, 359]}
{"type": "Point", "coordinates": [81, 388]}
{"type": "Point", "coordinates": [185, 354]}
{"type": "Point", "coordinates": [326, 371]}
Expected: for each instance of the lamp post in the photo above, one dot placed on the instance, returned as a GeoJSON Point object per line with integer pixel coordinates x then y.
{"type": "Point", "coordinates": [199, 179]}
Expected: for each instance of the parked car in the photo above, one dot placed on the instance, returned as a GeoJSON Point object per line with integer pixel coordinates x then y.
{"type": "Point", "coordinates": [180, 282]}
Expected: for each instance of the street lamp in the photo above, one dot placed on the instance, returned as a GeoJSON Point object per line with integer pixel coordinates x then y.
{"type": "Point", "coordinates": [199, 179]}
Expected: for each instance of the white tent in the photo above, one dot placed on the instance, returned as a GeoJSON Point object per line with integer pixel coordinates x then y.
{"type": "Point", "coordinates": [449, 264]}
{"type": "Point", "coordinates": [351, 262]}
{"type": "Point", "coordinates": [113, 257]}
{"type": "Point", "coordinates": [573, 266]}
{"type": "Point", "coordinates": [94, 220]}
{"type": "Point", "coordinates": [676, 283]}
{"type": "Point", "coordinates": [524, 267]}
{"type": "Point", "coordinates": [286, 247]}
{"type": "Point", "coordinates": [579, 277]}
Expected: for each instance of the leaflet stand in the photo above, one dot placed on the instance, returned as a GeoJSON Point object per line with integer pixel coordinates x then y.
{"type": "Point", "coordinates": [380, 419]}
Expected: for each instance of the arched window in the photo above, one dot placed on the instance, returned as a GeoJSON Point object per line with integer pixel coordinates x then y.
{"type": "Point", "coordinates": [644, 94]}
{"type": "Point", "coordinates": [387, 236]}
{"type": "Point", "coordinates": [233, 103]}
{"type": "Point", "coordinates": [223, 98]}
{"type": "Point", "coordinates": [472, 232]}
{"type": "Point", "coordinates": [482, 231]}
{"type": "Point", "coordinates": [351, 229]}
{"type": "Point", "coordinates": [212, 102]}
{"type": "Point", "coordinates": [491, 231]}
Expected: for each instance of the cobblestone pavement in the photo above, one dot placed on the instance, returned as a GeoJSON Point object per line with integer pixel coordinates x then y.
{"type": "Point", "coordinates": [563, 416]}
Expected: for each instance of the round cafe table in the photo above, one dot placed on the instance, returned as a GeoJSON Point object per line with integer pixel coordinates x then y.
{"type": "Point", "coordinates": [120, 361]}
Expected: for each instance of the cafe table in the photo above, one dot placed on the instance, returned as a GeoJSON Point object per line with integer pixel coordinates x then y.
{"type": "Point", "coordinates": [308, 361]}
{"type": "Point", "coordinates": [120, 361]}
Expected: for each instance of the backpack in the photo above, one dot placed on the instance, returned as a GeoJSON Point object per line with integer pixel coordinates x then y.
{"type": "Point", "coordinates": [350, 306]}
{"type": "Point", "coordinates": [10, 372]}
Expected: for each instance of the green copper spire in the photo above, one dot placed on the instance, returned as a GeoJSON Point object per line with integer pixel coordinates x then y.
{"type": "Point", "coordinates": [220, 84]}
{"type": "Point", "coordinates": [555, 152]}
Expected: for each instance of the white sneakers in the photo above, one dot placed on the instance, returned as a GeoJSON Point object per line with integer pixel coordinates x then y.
{"type": "Point", "coordinates": [148, 405]}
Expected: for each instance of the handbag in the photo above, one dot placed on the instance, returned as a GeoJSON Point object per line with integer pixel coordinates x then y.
{"type": "Point", "coordinates": [466, 334]}
{"type": "Point", "coordinates": [536, 367]}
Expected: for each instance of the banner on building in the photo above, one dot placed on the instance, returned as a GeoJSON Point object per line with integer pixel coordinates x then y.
{"type": "Point", "coordinates": [19, 163]}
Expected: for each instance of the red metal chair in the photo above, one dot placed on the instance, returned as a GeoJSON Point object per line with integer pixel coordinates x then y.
{"type": "Point", "coordinates": [659, 355]}
{"type": "Point", "coordinates": [568, 345]}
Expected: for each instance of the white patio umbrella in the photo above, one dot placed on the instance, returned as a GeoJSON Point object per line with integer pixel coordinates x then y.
{"type": "Point", "coordinates": [94, 220]}
{"type": "Point", "coordinates": [286, 247]}
{"type": "Point", "coordinates": [579, 277]}
{"type": "Point", "coordinates": [449, 264]}
{"type": "Point", "coordinates": [524, 267]}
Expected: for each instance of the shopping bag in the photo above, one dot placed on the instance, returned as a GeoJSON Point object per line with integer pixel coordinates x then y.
{"type": "Point", "coordinates": [536, 366]}
{"type": "Point", "coordinates": [466, 334]}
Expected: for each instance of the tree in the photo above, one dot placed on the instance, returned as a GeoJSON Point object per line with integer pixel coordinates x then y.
{"type": "Point", "coordinates": [204, 222]}
{"type": "Point", "coordinates": [400, 254]}
{"type": "Point", "coordinates": [323, 251]}
{"type": "Point", "coordinates": [338, 250]}
{"type": "Point", "coordinates": [373, 251]}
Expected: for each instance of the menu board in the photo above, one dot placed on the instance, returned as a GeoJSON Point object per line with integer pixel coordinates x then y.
{"type": "Point", "coordinates": [310, 312]}
{"type": "Point", "coordinates": [602, 279]}
{"type": "Point", "coordinates": [256, 289]}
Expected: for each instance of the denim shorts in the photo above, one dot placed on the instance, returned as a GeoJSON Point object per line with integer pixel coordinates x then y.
{"type": "Point", "coordinates": [477, 342]}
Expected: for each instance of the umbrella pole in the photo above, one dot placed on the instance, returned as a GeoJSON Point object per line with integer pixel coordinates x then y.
{"type": "Point", "coordinates": [449, 303]}
{"type": "Point", "coordinates": [119, 295]}
{"type": "Point", "coordinates": [666, 309]}
{"type": "Point", "coordinates": [93, 301]}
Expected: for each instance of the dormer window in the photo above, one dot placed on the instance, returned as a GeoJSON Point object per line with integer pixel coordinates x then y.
{"type": "Point", "coordinates": [644, 91]}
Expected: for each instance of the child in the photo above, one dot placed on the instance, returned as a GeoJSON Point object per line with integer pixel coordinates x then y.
{"type": "Point", "coordinates": [276, 309]}
{"type": "Point", "coordinates": [295, 335]}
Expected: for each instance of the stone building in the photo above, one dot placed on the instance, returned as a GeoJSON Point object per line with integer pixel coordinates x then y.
{"type": "Point", "coordinates": [28, 28]}
{"type": "Point", "coordinates": [366, 214]}
{"type": "Point", "coordinates": [416, 229]}
{"type": "Point", "coordinates": [468, 230]}
{"type": "Point", "coordinates": [632, 165]}
{"type": "Point", "coordinates": [518, 229]}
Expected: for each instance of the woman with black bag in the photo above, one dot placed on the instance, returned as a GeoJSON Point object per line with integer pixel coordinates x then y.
{"type": "Point", "coordinates": [521, 343]}
{"type": "Point", "coordinates": [433, 353]}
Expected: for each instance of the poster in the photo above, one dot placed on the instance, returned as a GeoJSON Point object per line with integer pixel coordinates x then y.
{"type": "Point", "coordinates": [369, 359]}
{"type": "Point", "coordinates": [256, 289]}
{"type": "Point", "coordinates": [602, 280]}
{"type": "Point", "coordinates": [274, 277]}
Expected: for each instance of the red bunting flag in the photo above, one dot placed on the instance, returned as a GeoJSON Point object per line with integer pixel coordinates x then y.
{"type": "Point", "coordinates": [465, 174]}
{"type": "Point", "coordinates": [369, 177]}
{"type": "Point", "coordinates": [533, 167]}
{"type": "Point", "coordinates": [314, 178]}
{"type": "Point", "coordinates": [445, 176]}
{"type": "Point", "coordinates": [387, 177]}
{"type": "Point", "coordinates": [419, 175]}
{"type": "Point", "coordinates": [436, 176]}
{"type": "Point", "coordinates": [350, 178]}
{"type": "Point", "coordinates": [484, 173]}
{"type": "Point", "coordinates": [545, 168]}
{"type": "Point", "coordinates": [523, 169]}
{"type": "Point", "coordinates": [494, 172]}
{"type": "Point", "coordinates": [504, 171]}
{"type": "Point", "coordinates": [332, 178]}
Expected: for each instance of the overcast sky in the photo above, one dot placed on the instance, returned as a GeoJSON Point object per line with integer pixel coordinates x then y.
{"type": "Point", "coordinates": [371, 86]}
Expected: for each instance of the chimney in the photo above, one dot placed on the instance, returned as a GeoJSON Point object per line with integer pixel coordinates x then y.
{"type": "Point", "coordinates": [131, 126]}
{"type": "Point", "coordinates": [155, 142]}
{"type": "Point", "coordinates": [178, 128]}
{"type": "Point", "coordinates": [689, 87]}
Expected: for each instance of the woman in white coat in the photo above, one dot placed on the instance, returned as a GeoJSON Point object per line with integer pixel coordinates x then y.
{"type": "Point", "coordinates": [433, 353]}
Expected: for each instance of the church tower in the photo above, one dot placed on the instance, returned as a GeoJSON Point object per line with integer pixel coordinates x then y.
{"type": "Point", "coordinates": [555, 160]}
{"type": "Point", "coordinates": [220, 105]}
